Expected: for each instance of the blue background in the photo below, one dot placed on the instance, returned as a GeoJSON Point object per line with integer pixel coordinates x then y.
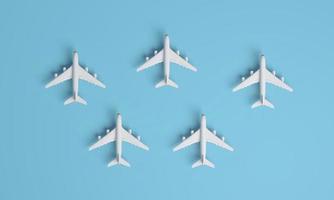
{"type": "Point", "coordinates": [284, 153]}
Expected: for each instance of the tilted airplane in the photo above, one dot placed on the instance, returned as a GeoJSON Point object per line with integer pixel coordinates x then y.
{"type": "Point", "coordinates": [118, 135]}
{"type": "Point", "coordinates": [203, 135]}
{"type": "Point", "coordinates": [166, 56]}
{"type": "Point", "coordinates": [263, 76]}
{"type": "Point", "coordinates": [75, 72]}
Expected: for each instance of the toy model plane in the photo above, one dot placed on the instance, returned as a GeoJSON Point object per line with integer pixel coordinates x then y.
{"type": "Point", "coordinates": [203, 135]}
{"type": "Point", "coordinates": [166, 56]}
{"type": "Point", "coordinates": [263, 76]}
{"type": "Point", "coordinates": [118, 135]}
{"type": "Point", "coordinates": [75, 72]}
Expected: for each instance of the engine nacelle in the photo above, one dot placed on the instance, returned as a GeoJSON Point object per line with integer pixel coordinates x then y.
{"type": "Point", "coordinates": [86, 69]}
{"type": "Point", "coordinates": [243, 78]}
{"type": "Point", "coordinates": [155, 52]}
{"type": "Point", "coordinates": [138, 137]}
{"type": "Point", "coordinates": [130, 131]}
{"type": "Point", "coordinates": [192, 132]}
{"type": "Point", "coordinates": [95, 75]}
{"type": "Point", "coordinates": [186, 58]}
{"type": "Point", "coordinates": [183, 138]}
{"type": "Point", "coordinates": [178, 52]}
{"type": "Point", "coordinates": [99, 137]}
{"type": "Point", "coordinates": [223, 138]}
{"type": "Point", "coordinates": [55, 75]}
{"type": "Point", "coordinates": [108, 130]}
{"type": "Point", "coordinates": [251, 72]}
{"type": "Point", "coordinates": [214, 132]}
{"type": "Point", "coordinates": [147, 58]}
{"type": "Point", "coordinates": [64, 69]}
{"type": "Point", "coordinates": [274, 72]}
{"type": "Point", "coordinates": [282, 78]}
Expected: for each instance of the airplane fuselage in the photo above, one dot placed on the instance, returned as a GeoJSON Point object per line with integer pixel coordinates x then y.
{"type": "Point", "coordinates": [262, 78]}
{"type": "Point", "coordinates": [118, 138]}
{"type": "Point", "coordinates": [166, 59]}
{"type": "Point", "coordinates": [202, 138]}
{"type": "Point", "coordinates": [75, 76]}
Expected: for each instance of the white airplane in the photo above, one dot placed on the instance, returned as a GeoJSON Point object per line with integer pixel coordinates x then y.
{"type": "Point", "coordinates": [262, 76]}
{"type": "Point", "coordinates": [75, 72]}
{"type": "Point", "coordinates": [119, 134]}
{"type": "Point", "coordinates": [203, 135]}
{"type": "Point", "coordinates": [166, 55]}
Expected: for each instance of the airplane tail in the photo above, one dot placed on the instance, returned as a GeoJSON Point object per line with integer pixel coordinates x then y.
{"type": "Point", "coordinates": [167, 82]}
{"type": "Point", "coordinates": [119, 161]}
{"type": "Point", "coordinates": [77, 99]}
{"type": "Point", "coordinates": [264, 103]}
{"type": "Point", "coordinates": [203, 162]}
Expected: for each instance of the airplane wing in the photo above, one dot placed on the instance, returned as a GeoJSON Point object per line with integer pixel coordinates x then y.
{"type": "Point", "coordinates": [175, 58]}
{"type": "Point", "coordinates": [158, 58]}
{"type": "Point", "coordinates": [194, 138]}
{"type": "Point", "coordinates": [66, 75]}
{"type": "Point", "coordinates": [84, 75]}
{"type": "Point", "coordinates": [110, 137]}
{"type": "Point", "coordinates": [214, 139]}
{"type": "Point", "coordinates": [254, 78]}
{"type": "Point", "coordinates": [129, 138]}
{"type": "Point", "coordinates": [271, 78]}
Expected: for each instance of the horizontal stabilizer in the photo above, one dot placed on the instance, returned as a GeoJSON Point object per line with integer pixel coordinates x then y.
{"type": "Point", "coordinates": [77, 100]}
{"type": "Point", "coordinates": [167, 82]}
{"type": "Point", "coordinates": [119, 161]}
{"type": "Point", "coordinates": [264, 103]}
{"type": "Point", "coordinates": [203, 162]}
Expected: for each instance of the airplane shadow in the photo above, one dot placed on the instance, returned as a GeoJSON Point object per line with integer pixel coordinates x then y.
{"type": "Point", "coordinates": [111, 116]}
{"type": "Point", "coordinates": [195, 118]}
{"type": "Point", "coordinates": [196, 114]}
{"type": "Point", "coordinates": [50, 75]}
{"type": "Point", "coordinates": [158, 76]}
{"type": "Point", "coordinates": [253, 67]}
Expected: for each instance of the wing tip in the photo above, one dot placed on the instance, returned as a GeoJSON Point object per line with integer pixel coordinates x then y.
{"type": "Point", "coordinates": [48, 85]}
{"type": "Point", "coordinates": [193, 68]}
{"type": "Point", "coordinates": [176, 149]}
{"type": "Point", "coordinates": [235, 89]}
{"type": "Point", "coordinates": [140, 68]}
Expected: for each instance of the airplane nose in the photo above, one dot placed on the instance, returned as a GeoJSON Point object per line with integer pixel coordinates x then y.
{"type": "Point", "coordinates": [118, 118]}
{"type": "Point", "coordinates": [166, 37]}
